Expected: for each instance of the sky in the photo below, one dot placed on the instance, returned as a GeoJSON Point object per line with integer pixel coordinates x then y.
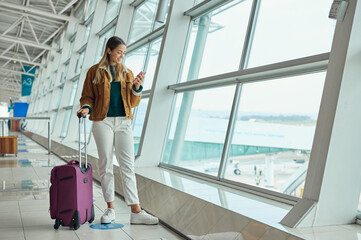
{"type": "Point", "coordinates": [285, 30]}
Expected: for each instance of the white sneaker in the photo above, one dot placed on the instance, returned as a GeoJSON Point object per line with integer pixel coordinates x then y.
{"type": "Point", "coordinates": [108, 216]}
{"type": "Point", "coordinates": [143, 218]}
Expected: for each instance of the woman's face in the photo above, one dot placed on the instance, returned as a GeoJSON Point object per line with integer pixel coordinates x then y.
{"type": "Point", "coordinates": [117, 54]}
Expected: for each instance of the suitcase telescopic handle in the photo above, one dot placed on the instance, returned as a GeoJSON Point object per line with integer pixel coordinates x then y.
{"type": "Point", "coordinates": [82, 119]}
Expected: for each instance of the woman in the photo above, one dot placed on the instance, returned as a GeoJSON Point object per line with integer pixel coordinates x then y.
{"type": "Point", "coordinates": [109, 93]}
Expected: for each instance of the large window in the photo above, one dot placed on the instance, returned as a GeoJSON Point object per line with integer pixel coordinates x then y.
{"type": "Point", "coordinates": [112, 11]}
{"type": "Point", "coordinates": [283, 32]}
{"type": "Point", "coordinates": [135, 60]}
{"type": "Point", "coordinates": [102, 43]}
{"type": "Point", "coordinates": [250, 128]}
{"type": "Point", "coordinates": [144, 59]}
{"type": "Point", "coordinates": [198, 129]}
{"type": "Point", "coordinates": [138, 122]}
{"type": "Point", "coordinates": [274, 131]}
{"type": "Point", "coordinates": [216, 41]}
{"type": "Point", "coordinates": [64, 129]}
{"type": "Point", "coordinates": [143, 20]}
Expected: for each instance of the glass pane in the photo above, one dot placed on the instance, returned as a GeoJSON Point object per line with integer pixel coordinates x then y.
{"type": "Point", "coordinates": [53, 120]}
{"type": "Point", "coordinates": [216, 41]}
{"type": "Point", "coordinates": [102, 42]}
{"type": "Point", "coordinates": [50, 100]}
{"type": "Point", "coordinates": [80, 61]}
{"type": "Point", "coordinates": [64, 73]}
{"type": "Point", "coordinates": [64, 130]}
{"type": "Point", "coordinates": [198, 129]}
{"type": "Point", "coordinates": [274, 132]}
{"type": "Point", "coordinates": [112, 11]}
{"type": "Point", "coordinates": [283, 35]}
{"type": "Point", "coordinates": [60, 93]}
{"type": "Point", "coordinates": [143, 20]}
{"type": "Point", "coordinates": [135, 59]}
{"type": "Point", "coordinates": [71, 49]}
{"type": "Point", "coordinates": [73, 91]}
{"type": "Point", "coordinates": [151, 65]}
{"type": "Point", "coordinates": [139, 116]}
{"type": "Point", "coordinates": [91, 8]}
{"type": "Point", "coordinates": [87, 33]}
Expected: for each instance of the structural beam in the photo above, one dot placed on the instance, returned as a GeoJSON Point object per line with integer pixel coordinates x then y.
{"type": "Point", "coordinates": [33, 31]}
{"type": "Point", "coordinates": [68, 6]}
{"type": "Point", "coordinates": [39, 12]}
{"type": "Point", "coordinates": [53, 34]}
{"type": "Point", "coordinates": [52, 6]}
{"type": "Point", "coordinates": [15, 71]}
{"type": "Point", "coordinates": [21, 60]}
{"type": "Point", "coordinates": [12, 26]}
{"type": "Point", "coordinates": [27, 43]}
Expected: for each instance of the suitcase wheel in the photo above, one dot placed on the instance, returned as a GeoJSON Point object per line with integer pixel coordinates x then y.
{"type": "Point", "coordinates": [58, 222]}
{"type": "Point", "coordinates": [75, 221]}
{"type": "Point", "coordinates": [76, 226]}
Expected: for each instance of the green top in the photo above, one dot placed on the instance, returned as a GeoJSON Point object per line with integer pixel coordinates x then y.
{"type": "Point", "coordinates": [116, 105]}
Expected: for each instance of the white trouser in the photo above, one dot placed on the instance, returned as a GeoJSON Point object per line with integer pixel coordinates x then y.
{"type": "Point", "coordinates": [116, 131]}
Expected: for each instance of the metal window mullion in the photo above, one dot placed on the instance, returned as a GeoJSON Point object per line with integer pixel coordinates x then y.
{"type": "Point", "coordinates": [262, 192]}
{"type": "Point", "coordinates": [137, 3]}
{"type": "Point", "coordinates": [107, 27]}
{"type": "Point", "coordinates": [147, 56]}
{"type": "Point", "coordinates": [249, 34]}
{"type": "Point", "coordinates": [133, 20]}
{"type": "Point", "coordinates": [146, 39]}
{"type": "Point", "coordinates": [155, 15]}
{"type": "Point", "coordinates": [237, 96]}
{"type": "Point", "coordinates": [230, 131]}
{"type": "Point", "coordinates": [205, 7]}
{"type": "Point", "coordinates": [294, 67]}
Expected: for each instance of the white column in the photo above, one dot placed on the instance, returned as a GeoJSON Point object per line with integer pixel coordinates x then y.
{"type": "Point", "coordinates": [124, 20]}
{"type": "Point", "coordinates": [161, 99]}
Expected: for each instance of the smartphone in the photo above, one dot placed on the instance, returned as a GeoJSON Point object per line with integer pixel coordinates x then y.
{"type": "Point", "coordinates": [143, 73]}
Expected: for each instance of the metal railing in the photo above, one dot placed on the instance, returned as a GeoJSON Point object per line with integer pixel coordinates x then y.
{"type": "Point", "coordinates": [3, 119]}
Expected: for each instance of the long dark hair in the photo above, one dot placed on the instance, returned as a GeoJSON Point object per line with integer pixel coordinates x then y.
{"type": "Point", "coordinates": [112, 44]}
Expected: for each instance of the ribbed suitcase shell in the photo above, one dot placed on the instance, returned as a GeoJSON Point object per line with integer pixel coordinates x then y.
{"type": "Point", "coordinates": [71, 195]}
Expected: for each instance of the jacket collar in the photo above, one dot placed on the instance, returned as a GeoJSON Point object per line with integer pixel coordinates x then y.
{"type": "Point", "coordinates": [103, 67]}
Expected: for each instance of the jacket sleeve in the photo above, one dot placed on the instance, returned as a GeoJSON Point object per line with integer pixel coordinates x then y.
{"type": "Point", "coordinates": [135, 97]}
{"type": "Point", "coordinates": [88, 95]}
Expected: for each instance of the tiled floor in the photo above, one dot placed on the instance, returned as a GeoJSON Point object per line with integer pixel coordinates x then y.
{"type": "Point", "coordinates": [24, 202]}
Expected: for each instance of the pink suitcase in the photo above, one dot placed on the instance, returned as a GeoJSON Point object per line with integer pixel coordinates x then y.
{"type": "Point", "coordinates": [71, 192]}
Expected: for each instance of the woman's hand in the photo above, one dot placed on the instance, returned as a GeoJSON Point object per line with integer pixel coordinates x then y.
{"type": "Point", "coordinates": [138, 80]}
{"type": "Point", "coordinates": [83, 111]}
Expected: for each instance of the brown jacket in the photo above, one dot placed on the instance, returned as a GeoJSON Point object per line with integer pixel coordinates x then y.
{"type": "Point", "coordinates": [97, 96]}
